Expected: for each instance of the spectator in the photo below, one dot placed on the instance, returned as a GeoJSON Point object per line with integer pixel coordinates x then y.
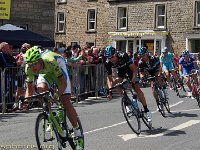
{"type": "Point", "coordinates": [97, 58]}
{"type": "Point", "coordinates": [20, 75]}
{"type": "Point", "coordinates": [6, 61]}
{"type": "Point", "coordinates": [6, 58]}
{"type": "Point", "coordinates": [75, 50]}
{"type": "Point", "coordinates": [55, 50]}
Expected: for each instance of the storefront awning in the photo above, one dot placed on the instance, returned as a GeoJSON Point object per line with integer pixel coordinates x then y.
{"type": "Point", "coordinates": [138, 33]}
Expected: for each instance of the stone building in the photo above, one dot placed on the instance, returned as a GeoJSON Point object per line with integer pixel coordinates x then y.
{"type": "Point", "coordinates": [155, 24]}
{"type": "Point", "coordinates": [129, 24]}
{"type": "Point", "coordinates": [83, 22]}
{"type": "Point", "coordinates": [34, 15]}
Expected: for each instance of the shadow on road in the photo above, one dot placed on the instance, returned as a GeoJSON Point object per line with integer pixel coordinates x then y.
{"type": "Point", "coordinates": [180, 114]}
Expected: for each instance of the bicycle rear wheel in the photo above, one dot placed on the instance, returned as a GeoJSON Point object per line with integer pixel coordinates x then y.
{"type": "Point", "coordinates": [145, 120]}
{"type": "Point", "coordinates": [131, 116]}
{"type": "Point", "coordinates": [160, 103]}
{"type": "Point", "coordinates": [46, 135]}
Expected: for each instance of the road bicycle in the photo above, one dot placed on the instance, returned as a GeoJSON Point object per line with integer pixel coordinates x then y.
{"type": "Point", "coordinates": [195, 92]}
{"type": "Point", "coordinates": [49, 131]}
{"type": "Point", "coordinates": [161, 95]}
{"type": "Point", "coordinates": [177, 85]}
{"type": "Point", "coordinates": [132, 114]}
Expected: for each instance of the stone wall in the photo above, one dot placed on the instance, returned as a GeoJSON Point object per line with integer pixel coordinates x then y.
{"type": "Point", "coordinates": [37, 15]}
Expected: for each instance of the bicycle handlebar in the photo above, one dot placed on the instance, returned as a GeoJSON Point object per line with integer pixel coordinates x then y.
{"type": "Point", "coordinates": [22, 98]}
{"type": "Point", "coordinates": [118, 84]}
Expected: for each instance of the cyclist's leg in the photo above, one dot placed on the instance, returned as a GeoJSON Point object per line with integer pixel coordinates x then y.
{"type": "Point", "coordinates": [140, 95]}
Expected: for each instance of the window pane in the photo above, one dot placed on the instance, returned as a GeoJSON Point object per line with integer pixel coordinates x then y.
{"type": "Point", "coordinates": [91, 25]}
{"type": "Point", "coordinates": [161, 10]}
{"type": "Point", "coordinates": [61, 17]}
{"type": "Point", "coordinates": [92, 14]}
{"type": "Point", "coordinates": [198, 7]}
{"type": "Point", "coordinates": [160, 21]}
{"type": "Point", "coordinates": [198, 20]}
{"type": "Point", "coordinates": [61, 26]}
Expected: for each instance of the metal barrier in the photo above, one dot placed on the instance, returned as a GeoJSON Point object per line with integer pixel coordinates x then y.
{"type": "Point", "coordinates": [11, 79]}
{"type": "Point", "coordinates": [85, 79]}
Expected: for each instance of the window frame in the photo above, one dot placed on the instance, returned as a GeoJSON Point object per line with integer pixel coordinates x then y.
{"type": "Point", "coordinates": [156, 16]}
{"type": "Point", "coordinates": [93, 21]}
{"type": "Point", "coordinates": [119, 18]}
{"type": "Point", "coordinates": [58, 22]}
{"type": "Point", "coordinates": [196, 14]}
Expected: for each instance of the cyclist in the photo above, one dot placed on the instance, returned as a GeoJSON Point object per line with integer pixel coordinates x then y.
{"type": "Point", "coordinates": [51, 67]}
{"type": "Point", "coordinates": [151, 65]}
{"type": "Point", "coordinates": [187, 65]}
{"type": "Point", "coordinates": [125, 65]}
{"type": "Point", "coordinates": [167, 62]}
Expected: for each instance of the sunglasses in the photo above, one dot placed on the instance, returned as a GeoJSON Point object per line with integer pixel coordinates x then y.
{"type": "Point", "coordinates": [33, 64]}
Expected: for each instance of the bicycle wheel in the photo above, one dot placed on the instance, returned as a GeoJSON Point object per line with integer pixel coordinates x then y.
{"type": "Point", "coordinates": [175, 87]}
{"type": "Point", "coordinates": [131, 116]}
{"type": "Point", "coordinates": [46, 135]}
{"type": "Point", "coordinates": [198, 99]}
{"type": "Point", "coordinates": [160, 103]}
{"type": "Point", "coordinates": [166, 102]}
{"type": "Point", "coordinates": [145, 120]}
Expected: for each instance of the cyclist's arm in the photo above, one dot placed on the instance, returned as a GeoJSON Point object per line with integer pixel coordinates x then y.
{"type": "Point", "coordinates": [62, 86]}
{"type": "Point", "coordinates": [109, 81]}
{"type": "Point", "coordinates": [30, 89]}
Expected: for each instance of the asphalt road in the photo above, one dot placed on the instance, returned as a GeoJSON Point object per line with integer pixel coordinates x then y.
{"type": "Point", "coordinates": [105, 127]}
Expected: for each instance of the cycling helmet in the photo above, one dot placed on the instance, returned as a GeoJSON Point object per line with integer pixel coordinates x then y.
{"type": "Point", "coordinates": [32, 54]}
{"type": "Point", "coordinates": [165, 49]}
{"type": "Point", "coordinates": [109, 51]}
{"type": "Point", "coordinates": [186, 52]}
{"type": "Point", "coordinates": [142, 51]}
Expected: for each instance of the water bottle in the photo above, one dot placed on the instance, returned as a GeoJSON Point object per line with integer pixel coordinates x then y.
{"type": "Point", "coordinates": [134, 101]}
{"type": "Point", "coordinates": [60, 115]}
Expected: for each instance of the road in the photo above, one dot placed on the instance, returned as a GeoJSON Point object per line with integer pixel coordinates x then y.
{"type": "Point", "coordinates": [105, 127]}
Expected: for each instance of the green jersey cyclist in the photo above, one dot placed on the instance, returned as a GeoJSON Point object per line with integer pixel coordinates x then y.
{"type": "Point", "coordinates": [51, 68]}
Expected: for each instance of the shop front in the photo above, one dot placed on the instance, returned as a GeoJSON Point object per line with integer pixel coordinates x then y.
{"type": "Point", "coordinates": [133, 40]}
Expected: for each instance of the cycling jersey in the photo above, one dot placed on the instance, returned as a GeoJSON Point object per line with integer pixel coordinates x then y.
{"type": "Point", "coordinates": [54, 66]}
{"type": "Point", "coordinates": [122, 65]}
{"type": "Point", "coordinates": [152, 66]}
{"type": "Point", "coordinates": [187, 66]}
{"type": "Point", "coordinates": [167, 61]}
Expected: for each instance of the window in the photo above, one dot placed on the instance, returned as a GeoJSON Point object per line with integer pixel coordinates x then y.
{"type": "Point", "coordinates": [89, 44]}
{"type": "Point", "coordinates": [61, 22]}
{"type": "Point", "coordinates": [160, 16]}
{"type": "Point", "coordinates": [122, 18]}
{"type": "Point", "coordinates": [91, 20]}
{"type": "Point", "coordinates": [197, 12]}
{"type": "Point", "coordinates": [61, 1]}
{"type": "Point", "coordinates": [74, 43]}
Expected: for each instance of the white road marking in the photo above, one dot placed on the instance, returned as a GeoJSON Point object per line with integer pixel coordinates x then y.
{"type": "Point", "coordinates": [169, 106]}
{"type": "Point", "coordinates": [120, 123]}
{"type": "Point", "coordinates": [105, 127]}
{"type": "Point", "coordinates": [127, 137]}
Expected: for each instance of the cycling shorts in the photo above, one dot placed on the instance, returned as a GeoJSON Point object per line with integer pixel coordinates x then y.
{"type": "Point", "coordinates": [169, 67]}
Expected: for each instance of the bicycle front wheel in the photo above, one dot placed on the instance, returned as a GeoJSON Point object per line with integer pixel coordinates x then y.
{"type": "Point", "coordinates": [46, 135]}
{"type": "Point", "coordinates": [131, 116]}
